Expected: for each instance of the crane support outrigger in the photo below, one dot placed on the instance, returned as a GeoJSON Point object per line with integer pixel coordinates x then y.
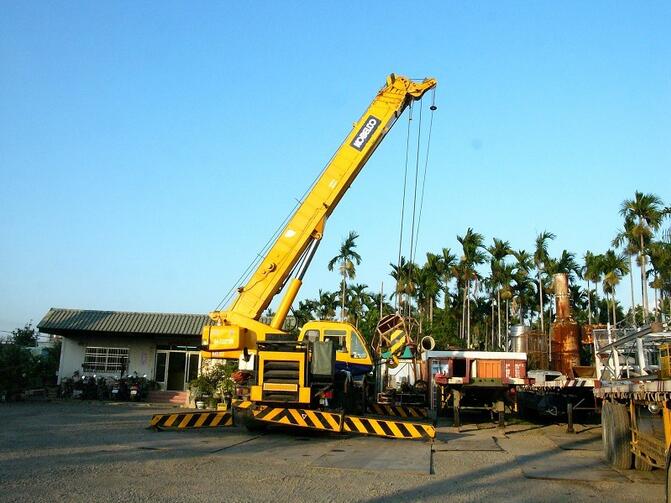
{"type": "Point", "coordinates": [302, 381]}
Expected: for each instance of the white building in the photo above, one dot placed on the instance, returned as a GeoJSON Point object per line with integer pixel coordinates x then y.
{"type": "Point", "coordinates": [162, 346]}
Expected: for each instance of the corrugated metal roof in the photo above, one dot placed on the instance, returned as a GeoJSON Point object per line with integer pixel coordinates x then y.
{"type": "Point", "coordinates": [119, 322]}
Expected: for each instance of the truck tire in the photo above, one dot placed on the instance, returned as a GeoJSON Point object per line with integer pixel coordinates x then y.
{"type": "Point", "coordinates": [606, 427]}
{"type": "Point", "coordinates": [522, 411]}
{"type": "Point", "coordinates": [619, 437]}
{"type": "Point", "coordinates": [642, 465]}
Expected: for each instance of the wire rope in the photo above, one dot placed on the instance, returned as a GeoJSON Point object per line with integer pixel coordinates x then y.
{"type": "Point", "coordinates": [405, 183]}
{"type": "Point", "coordinates": [414, 198]}
{"type": "Point", "coordinates": [433, 108]}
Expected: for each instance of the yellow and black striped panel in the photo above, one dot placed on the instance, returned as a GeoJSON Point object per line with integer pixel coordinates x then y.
{"type": "Point", "coordinates": [388, 428]}
{"type": "Point", "coordinates": [305, 418]}
{"type": "Point", "coordinates": [192, 420]}
{"type": "Point", "coordinates": [241, 404]}
{"type": "Point", "coordinates": [404, 411]}
{"type": "Point", "coordinates": [352, 424]}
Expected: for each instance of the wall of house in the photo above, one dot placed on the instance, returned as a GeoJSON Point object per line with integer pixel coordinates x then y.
{"type": "Point", "coordinates": [141, 354]}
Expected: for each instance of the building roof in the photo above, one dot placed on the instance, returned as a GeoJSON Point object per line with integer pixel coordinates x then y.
{"type": "Point", "coordinates": [67, 321]}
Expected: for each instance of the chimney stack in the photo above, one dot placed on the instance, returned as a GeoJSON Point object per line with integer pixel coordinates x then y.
{"type": "Point", "coordinates": [563, 303]}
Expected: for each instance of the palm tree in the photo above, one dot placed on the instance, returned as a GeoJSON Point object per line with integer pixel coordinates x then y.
{"type": "Point", "coordinates": [404, 274]}
{"type": "Point", "coordinates": [578, 298]}
{"type": "Point", "coordinates": [656, 285]}
{"type": "Point", "coordinates": [591, 271]}
{"type": "Point", "coordinates": [506, 275]}
{"type": "Point", "coordinates": [613, 268]}
{"type": "Point", "coordinates": [660, 257]}
{"type": "Point", "coordinates": [327, 305]}
{"type": "Point", "coordinates": [644, 214]}
{"type": "Point", "coordinates": [541, 258]}
{"type": "Point", "coordinates": [346, 259]}
{"type": "Point", "coordinates": [427, 290]}
{"type": "Point", "coordinates": [448, 261]}
{"type": "Point", "coordinates": [472, 244]}
{"type": "Point", "coordinates": [524, 264]}
{"type": "Point", "coordinates": [498, 251]}
{"type": "Point", "coordinates": [626, 239]}
{"type": "Point", "coordinates": [358, 300]}
{"type": "Point", "coordinates": [566, 264]}
{"type": "Point", "coordinates": [488, 286]}
{"type": "Point", "coordinates": [431, 280]}
{"type": "Point", "coordinates": [460, 273]}
{"type": "Point", "coordinates": [304, 312]}
{"type": "Point", "coordinates": [378, 302]}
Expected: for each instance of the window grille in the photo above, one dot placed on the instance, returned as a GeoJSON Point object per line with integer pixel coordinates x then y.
{"type": "Point", "coordinates": [98, 359]}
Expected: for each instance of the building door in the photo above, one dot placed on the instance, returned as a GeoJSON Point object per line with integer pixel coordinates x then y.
{"type": "Point", "coordinates": [161, 374]}
{"type": "Point", "coordinates": [192, 367]}
{"type": "Point", "coordinates": [175, 368]}
{"type": "Point", "coordinates": [176, 371]}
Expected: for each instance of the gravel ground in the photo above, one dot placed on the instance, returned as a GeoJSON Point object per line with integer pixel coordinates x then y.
{"type": "Point", "coordinates": [75, 451]}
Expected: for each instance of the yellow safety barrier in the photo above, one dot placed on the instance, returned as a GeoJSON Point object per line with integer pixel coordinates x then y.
{"type": "Point", "coordinates": [191, 420]}
{"type": "Point", "coordinates": [330, 421]}
{"type": "Point", "coordinates": [404, 411]}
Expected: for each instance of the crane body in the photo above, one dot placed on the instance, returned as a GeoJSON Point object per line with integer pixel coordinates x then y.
{"type": "Point", "coordinates": [319, 369]}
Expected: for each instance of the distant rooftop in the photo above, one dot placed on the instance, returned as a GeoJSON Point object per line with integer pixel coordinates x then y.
{"type": "Point", "coordinates": [67, 321]}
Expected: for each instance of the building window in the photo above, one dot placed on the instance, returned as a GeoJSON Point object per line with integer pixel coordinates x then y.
{"type": "Point", "coordinates": [105, 359]}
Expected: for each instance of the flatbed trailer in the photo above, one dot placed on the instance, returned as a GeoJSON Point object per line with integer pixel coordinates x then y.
{"type": "Point", "coordinates": [635, 397]}
{"type": "Point", "coordinates": [480, 380]}
{"type": "Point", "coordinates": [559, 397]}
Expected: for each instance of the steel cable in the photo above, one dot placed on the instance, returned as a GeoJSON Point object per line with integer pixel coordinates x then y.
{"type": "Point", "coordinates": [426, 164]}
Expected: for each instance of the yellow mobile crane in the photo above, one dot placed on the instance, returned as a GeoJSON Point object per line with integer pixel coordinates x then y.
{"type": "Point", "coordinates": [299, 381]}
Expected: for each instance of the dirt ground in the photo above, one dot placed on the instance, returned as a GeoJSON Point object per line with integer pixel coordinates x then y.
{"type": "Point", "coordinates": [79, 451]}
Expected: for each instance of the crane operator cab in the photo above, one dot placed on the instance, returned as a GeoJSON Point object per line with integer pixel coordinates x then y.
{"type": "Point", "coordinates": [352, 354]}
{"type": "Point", "coordinates": [348, 385]}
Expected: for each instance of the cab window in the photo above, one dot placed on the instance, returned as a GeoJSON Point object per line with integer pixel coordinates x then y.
{"type": "Point", "coordinates": [358, 350]}
{"type": "Point", "coordinates": [311, 335]}
{"type": "Point", "coordinates": [339, 339]}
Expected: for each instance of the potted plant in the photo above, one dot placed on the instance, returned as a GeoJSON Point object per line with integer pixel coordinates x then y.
{"type": "Point", "coordinates": [224, 385]}
{"type": "Point", "coordinates": [225, 389]}
{"type": "Point", "coordinates": [201, 389]}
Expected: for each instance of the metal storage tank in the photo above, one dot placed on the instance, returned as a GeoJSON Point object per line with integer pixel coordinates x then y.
{"type": "Point", "coordinates": [519, 338]}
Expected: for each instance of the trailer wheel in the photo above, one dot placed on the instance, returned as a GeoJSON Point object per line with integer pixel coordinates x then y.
{"type": "Point", "coordinates": [606, 427]}
{"type": "Point", "coordinates": [619, 437]}
{"type": "Point", "coordinates": [642, 465]}
{"type": "Point", "coordinates": [456, 407]}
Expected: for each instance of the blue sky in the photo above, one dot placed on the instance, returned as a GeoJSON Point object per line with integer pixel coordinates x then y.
{"type": "Point", "coordinates": [147, 151]}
